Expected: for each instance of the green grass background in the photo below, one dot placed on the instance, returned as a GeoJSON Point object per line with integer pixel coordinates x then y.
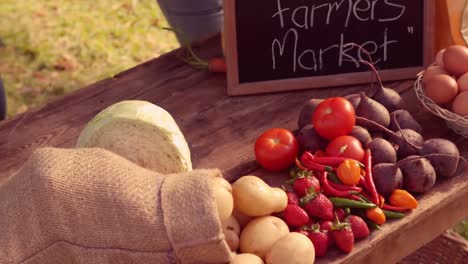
{"type": "Point", "coordinates": [50, 47]}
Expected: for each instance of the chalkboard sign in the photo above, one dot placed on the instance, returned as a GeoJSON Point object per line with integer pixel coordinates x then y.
{"type": "Point", "coordinates": [280, 45]}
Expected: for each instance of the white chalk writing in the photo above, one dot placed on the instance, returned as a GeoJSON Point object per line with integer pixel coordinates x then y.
{"type": "Point", "coordinates": [294, 20]}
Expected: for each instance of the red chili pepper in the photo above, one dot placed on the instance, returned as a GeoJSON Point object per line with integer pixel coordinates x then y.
{"type": "Point", "coordinates": [309, 164]}
{"type": "Point", "coordinates": [320, 153]}
{"type": "Point", "coordinates": [330, 191]}
{"type": "Point", "coordinates": [369, 179]}
{"type": "Point", "coordinates": [394, 208]}
{"type": "Point", "coordinates": [366, 195]}
{"type": "Point", "coordinates": [363, 183]}
{"type": "Point", "coordinates": [331, 161]}
{"type": "Point", "coordinates": [299, 165]}
{"type": "Point", "coordinates": [355, 197]}
{"type": "Point", "coordinates": [342, 187]}
{"type": "Point", "coordinates": [381, 201]}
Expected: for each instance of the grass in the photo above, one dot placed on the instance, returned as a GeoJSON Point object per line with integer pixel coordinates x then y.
{"type": "Point", "coordinates": [52, 47]}
{"type": "Point", "coordinates": [462, 228]}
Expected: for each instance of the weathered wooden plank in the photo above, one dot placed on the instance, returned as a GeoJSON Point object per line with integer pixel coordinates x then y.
{"type": "Point", "coordinates": [221, 131]}
{"type": "Point", "coordinates": [213, 123]}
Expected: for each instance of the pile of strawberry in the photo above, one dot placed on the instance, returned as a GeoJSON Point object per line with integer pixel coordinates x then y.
{"type": "Point", "coordinates": [312, 213]}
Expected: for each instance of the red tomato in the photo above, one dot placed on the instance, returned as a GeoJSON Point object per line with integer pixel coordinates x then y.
{"type": "Point", "coordinates": [334, 117]}
{"type": "Point", "coordinates": [346, 146]}
{"type": "Point", "coordinates": [276, 149]}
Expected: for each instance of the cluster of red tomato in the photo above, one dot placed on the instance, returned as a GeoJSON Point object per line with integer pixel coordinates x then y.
{"type": "Point", "coordinates": [333, 119]}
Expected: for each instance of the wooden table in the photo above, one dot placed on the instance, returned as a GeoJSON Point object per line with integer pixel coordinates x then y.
{"type": "Point", "coordinates": [221, 131]}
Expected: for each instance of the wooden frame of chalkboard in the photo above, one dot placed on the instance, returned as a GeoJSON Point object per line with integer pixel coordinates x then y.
{"type": "Point", "coordinates": [243, 36]}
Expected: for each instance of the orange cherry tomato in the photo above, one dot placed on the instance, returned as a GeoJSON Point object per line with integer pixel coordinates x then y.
{"type": "Point", "coordinates": [404, 199]}
{"type": "Point", "coordinates": [349, 172]}
{"type": "Point", "coordinates": [376, 215]}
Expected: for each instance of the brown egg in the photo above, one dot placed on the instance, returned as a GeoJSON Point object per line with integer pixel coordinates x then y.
{"type": "Point", "coordinates": [441, 89]}
{"type": "Point", "coordinates": [431, 71]}
{"type": "Point", "coordinates": [460, 105]}
{"type": "Point", "coordinates": [439, 61]}
{"type": "Point", "coordinates": [463, 83]}
{"type": "Point", "coordinates": [455, 60]}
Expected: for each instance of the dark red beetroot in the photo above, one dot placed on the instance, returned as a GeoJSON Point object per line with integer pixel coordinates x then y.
{"type": "Point", "coordinates": [389, 98]}
{"type": "Point", "coordinates": [443, 154]}
{"type": "Point", "coordinates": [405, 147]}
{"type": "Point", "coordinates": [401, 119]}
{"type": "Point", "coordinates": [418, 174]}
{"type": "Point", "coordinates": [361, 134]}
{"type": "Point", "coordinates": [310, 140]}
{"type": "Point", "coordinates": [305, 116]}
{"type": "Point", "coordinates": [408, 135]}
{"type": "Point", "coordinates": [373, 110]}
{"type": "Point", "coordinates": [387, 178]}
{"type": "Point", "coordinates": [382, 151]}
{"type": "Point", "coordinates": [445, 164]}
{"type": "Point", "coordinates": [354, 99]}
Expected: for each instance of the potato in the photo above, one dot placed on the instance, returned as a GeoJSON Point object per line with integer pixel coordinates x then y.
{"type": "Point", "coordinates": [261, 233]}
{"type": "Point", "coordinates": [253, 197]}
{"type": "Point", "coordinates": [232, 239]}
{"type": "Point", "coordinates": [221, 182]}
{"type": "Point", "coordinates": [293, 248]}
{"type": "Point", "coordinates": [222, 193]}
{"type": "Point", "coordinates": [232, 225]}
{"type": "Point", "coordinates": [246, 258]}
{"type": "Point", "coordinates": [223, 200]}
{"type": "Point", "coordinates": [241, 218]}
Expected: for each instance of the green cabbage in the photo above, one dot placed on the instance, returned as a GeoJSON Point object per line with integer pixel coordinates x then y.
{"type": "Point", "coordinates": [142, 132]}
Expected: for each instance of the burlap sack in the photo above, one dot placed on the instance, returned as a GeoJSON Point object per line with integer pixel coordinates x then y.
{"type": "Point", "coordinates": [92, 206]}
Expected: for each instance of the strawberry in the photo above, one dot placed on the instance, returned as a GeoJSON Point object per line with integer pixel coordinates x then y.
{"type": "Point", "coordinates": [311, 222]}
{"type": "Point", "coordinates": [320, 239]}
{"type": "Point", "coordinates": [294, 215]}
{"type": "Point", "coordinates": [301, 231]}
{"type": "Point", "coordinates": [292, 198]}
{"type": "Point", "coordinates": [318, 205]}
{"type": "Point", "coordinates": [358, 226]}
{"type": "Point", "coordinates": [325, 226]}
{"type": "Point", "coordinates": [339, 213]}
{"type": "Point", "coordinates": [343, 236]}
{"type": "Point", "coordinates": [304, 184]}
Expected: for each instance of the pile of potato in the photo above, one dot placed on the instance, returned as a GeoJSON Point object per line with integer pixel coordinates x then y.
{"type": "Point", "coordinates": [253, 234]}
{"type": "Point", "coordinates": [446, 81]}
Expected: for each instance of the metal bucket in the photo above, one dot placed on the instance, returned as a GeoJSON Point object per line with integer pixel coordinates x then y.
{"type": "Point", "coordinates": [194, 19]}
